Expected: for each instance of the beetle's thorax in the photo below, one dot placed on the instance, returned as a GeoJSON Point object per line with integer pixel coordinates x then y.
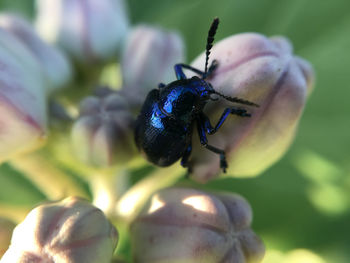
{"type": "Point", "coordinates": [183, 99]}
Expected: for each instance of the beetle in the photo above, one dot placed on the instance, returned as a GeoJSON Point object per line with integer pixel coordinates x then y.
{"type": "Point", "coordinates": [164, 127]}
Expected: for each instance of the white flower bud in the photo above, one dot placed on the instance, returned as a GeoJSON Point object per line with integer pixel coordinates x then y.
{"type": "Point", "coordinates": [68, 231]}
{"type": "Point", "coordinates": [149, 59]}
{"type": "Point", "coordinates": [54, 64]}
{"type": "Point", "coordinates": [22, 99]}
{"type": "Point", "coordinates": [89, 30]}
{"type": "Point", "coordinates": [103, 134]}
{"type": "Point", "coordinates": [264, 71]}
{"type": "Point", "coordinates": [185, 225]}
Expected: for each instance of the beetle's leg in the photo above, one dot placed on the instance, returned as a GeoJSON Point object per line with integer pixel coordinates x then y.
{"type": "Point", "coordinates": [204, 141]}
{"type": "Point", "coordinates": [185, 157]}
{"type": "Point", "coordinates": [214, 64]}
{"type": "Point", "coordinates": [184, 160]}
{"type": "Point", "coordinates": [179, 72]}
{"type": "Point", "coordinates": [161, 85]}
{"type": "Point", "coordinates": [210, 129]}
{"type": "Point", "coordinates": [181, 75]}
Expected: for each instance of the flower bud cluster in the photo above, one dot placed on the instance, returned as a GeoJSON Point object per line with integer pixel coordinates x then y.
{"type": "Point", "coordinates": [178, 224]}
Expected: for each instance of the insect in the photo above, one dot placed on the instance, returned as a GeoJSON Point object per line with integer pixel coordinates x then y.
{"type": "Point", "coordinates": [164, 127]}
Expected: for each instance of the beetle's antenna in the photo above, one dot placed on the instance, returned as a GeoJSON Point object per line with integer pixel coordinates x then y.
{"type": "Point", "coordinates": [210, 40]}
{"type": "Point", "coordinates": [237, 100]}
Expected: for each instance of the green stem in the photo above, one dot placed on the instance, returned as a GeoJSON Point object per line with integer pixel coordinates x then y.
{"type": "Point", "coordinates": [14, 212]}
{"type": "Point", "coordinates": [130, 204]}
{"type": "Point", "coordinates": [54, 183]}
{"type": "Point", "coordinates": [107, 187]}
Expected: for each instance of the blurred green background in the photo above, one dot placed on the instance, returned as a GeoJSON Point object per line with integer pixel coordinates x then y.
{"type": "Point", "coordinates": [303, 201]}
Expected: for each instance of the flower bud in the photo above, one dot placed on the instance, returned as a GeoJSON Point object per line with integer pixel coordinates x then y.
{"type": "Point", "coordinates": [185, 225]}
{"type": "Point", "coordinates": [6, 228]}
{"type": "Point", "coordinates": [71, 230]}
{"type": "Point", "coordinates": [22, 99]}
{"type": "Point", "coordinates": [88, 30]}
{"type": "Point", "coordinates": [103, 133]}
{"type": "Point", "coordinates": [54, 64]}
{"type": "Point", "coordinates": [264, 71]}
{"type": "Point", "coordinates": [149, 59]}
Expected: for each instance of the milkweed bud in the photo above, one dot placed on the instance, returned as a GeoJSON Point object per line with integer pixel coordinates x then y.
{"type": "Point", "coordinates": [148, 59]}
{"type": "Point", "coordinates": [53, 63]}
{"type": "Point", "coordinates": [186, 225]}
{"type": "Point", "coordinates": [89, 30]}
{"type": "Point", "coordinates": [22, 99]}
{"type": "Point", "coordinates": [264, 71]}
{"type": "Point", "coordinates": [103, 133]}
{"type": "Point", "coordinates": [71, 230]}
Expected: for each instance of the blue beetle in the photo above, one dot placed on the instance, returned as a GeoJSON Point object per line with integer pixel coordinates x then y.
{"type": "Point", "coordinates": [164, 127]}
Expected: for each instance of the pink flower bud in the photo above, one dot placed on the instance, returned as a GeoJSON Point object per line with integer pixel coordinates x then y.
{"type": "Point", "coordinates": [54, 64]}
{"type": "Point", "coordinates": [185, 225]}
{"type": "Point", "coordinates": [89, 30]}
{"type": "Point", "coordinates": [148, 59]}
{"type": "Point", "coordinates": [263, 71]}
{"type": "Point", "coordinates": [6, 228]}
{"type": "Point", "coordinates": [68, 231]}
{"type": "Point", "coordinates": [22, 98]}
{"type": "Point", "coordinates": [103, 134]}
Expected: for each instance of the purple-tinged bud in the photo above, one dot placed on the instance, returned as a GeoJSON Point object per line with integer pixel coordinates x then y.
{"type": "Point", "coordinates": [54, 64]}
{"type": "Point", "coordinates": [89, 30]}
{"type": "Point", "coordinates": [103, 133]}
{"type": "Point", "coordinates": [71, 230]}
{"type": "Point", "coordinates": [263, 71]}
{"type": "Point", "coordinates": [186, 225]}
{"type": "Point", "coordinates": [6, 228]}
{"type": "Point", "coordinates": [149, 59]}
{"type": "Point", "coordinates": [22, 98]}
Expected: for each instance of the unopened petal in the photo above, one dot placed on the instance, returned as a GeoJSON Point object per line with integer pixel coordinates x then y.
{"type": "Point", "coordinates": [148, 59]}
{"type": "Point", "coordinates": [53, 63]}
{"type": "Point", "coordinates": [79, 26]}
{"type": "Point", "coordinates": [23, 99]}
{"type": "Point", "coordinates": [264, 71]}
{"type": "Point", "coordinates": [186, 225]}
{"type": "Point", "coordinates": [68, 231]}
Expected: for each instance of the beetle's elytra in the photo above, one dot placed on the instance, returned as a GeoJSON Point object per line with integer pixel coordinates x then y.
{"type": "Point", "coordinates": [164, 127]}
